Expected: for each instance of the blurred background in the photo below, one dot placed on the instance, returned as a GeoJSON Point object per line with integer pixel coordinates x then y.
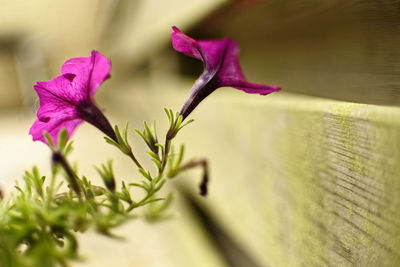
{"type": "Point", "coordinates": [343, 50]}
{"type": "Point", "coordinates": [349, 48]}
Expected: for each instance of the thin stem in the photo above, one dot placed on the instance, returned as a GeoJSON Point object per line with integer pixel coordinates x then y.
{"type": "Point", "coordinates": [51, 189]}
{"type": "Point", "coordinates": [135, 160]}
{"type": "Point", "coordinates": [166, 152]}
{"type": "Point", "coordinates": [140, 203]}
{"type": "Point", "coordinates": [204, 165]}
{"type": "Point", "coordinates": [168, 138]}
{"type": "Point", "coordinates": [59, 158]}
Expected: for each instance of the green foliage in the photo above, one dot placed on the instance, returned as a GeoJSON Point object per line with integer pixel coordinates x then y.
{"type": "Point", "coordinates": [175, 123]}
{"type": "Point", "coordinates": [39, 220]}
{"type": "Point", "coordinates": [123, 143]}
{"type": "Point", "coordinates": [175, 162]}
{"type": "Point", "coordinates": [149, 136]}
{"type": "Point", "coordinates": [107, 174]}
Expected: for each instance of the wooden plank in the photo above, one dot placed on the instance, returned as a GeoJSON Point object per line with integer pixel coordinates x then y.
{"type": "Point", "coordinates": [304, 181]}
{"type": "Point", "coordinates": [296, 180]}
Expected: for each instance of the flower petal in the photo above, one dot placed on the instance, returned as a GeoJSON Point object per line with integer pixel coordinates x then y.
{"type": "Point", "coordinates": [222, 68]}
{"type": "Point", "coordinates": [229, 67]}
{"type": "Point", "coordinates": [55, 111]}
{"type": "Point", "coordinates": [184, 44]}
{"type": "Point", "coordinates": [67, 100]}
{"type": "Point", "coordinates": [211, 52]}
{"type": "Point", "coordinates": [53, 127]}
{"type": "Point", "coordinates": [90, 72]}
{"type": "Point", "coordinates": [252, 88]}
{"type": "Point", "coordinates": [57, 97]}
{"type": "Point", "coordinates": [217, 53]}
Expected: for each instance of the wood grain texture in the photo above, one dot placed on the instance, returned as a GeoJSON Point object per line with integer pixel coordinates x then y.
{"type": "Point", "coordinates": [306, 182]}
{"type": "Point", "coordinates": [299, 181]}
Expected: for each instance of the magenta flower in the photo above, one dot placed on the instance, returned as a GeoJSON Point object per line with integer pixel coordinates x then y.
{"type": "Point", "coordinates": [67, 100]}
{"type": "Point", "coordinates": [221, 68]}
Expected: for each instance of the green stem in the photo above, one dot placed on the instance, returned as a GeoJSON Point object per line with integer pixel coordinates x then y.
{"type": "Point", "coordinates": [59, 158]}
{"type": "Point", "coordinates": [51, 190]}
{"type": "Point", "coordinates": [168, 138]}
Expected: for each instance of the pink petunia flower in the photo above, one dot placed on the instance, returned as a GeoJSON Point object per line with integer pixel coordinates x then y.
{"type": "Point", "coordinates": [221, 68]}
{"type": "Point", "coordinates": [67, 100]}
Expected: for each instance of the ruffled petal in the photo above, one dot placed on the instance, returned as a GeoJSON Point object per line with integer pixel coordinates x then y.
{"type": "Point", "coordinates": [61, 88]}
{"type": "Point", "coordinates": [90, 72]}
{"type": "Point", "coordinates": [220, 58]}
{"type": "Point", "coordinates": [57, 98]}
{"type": "Point", "coordinates": [222, 68]}
{"type": "Point", "coordinates": [68, 99]}
{"type": "Point", "coordinates": [184, 44]}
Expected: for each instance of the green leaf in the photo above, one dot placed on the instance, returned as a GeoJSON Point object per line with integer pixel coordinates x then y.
{"type": "Point", "coordinates": [157, 162]}
{"type": "Point", "coordinates": [110, 141]}
{"type": "Point", "coordinates": [126, 132]}
{"type": "Point", "coordinates": [162, 182]}
{"type": "Point", "coordinates": [171, 157]}
{"type": "Point", "coordinates": [148, 131]}
{"type": "Point", "coordinates": [161, 147]}
{"type": "Point", "coordinates": [186, 123]}
{"type": "Point", "coordinates": [141, 135]}
{"type": "Point", "coordinates": [171, 113]}
{"type": "Point", "coordinates": [68, 150]}
{"type": "Point", "coordinates": [145, 174]}
{"type": "Point", "coordinates": [145, 187]}
{"type": "Point", "coordinates": [62, 139]}
{"type": "Point", "coordinates": [153, 155]}
{"type": "Point", "coordinates": [168, 115]}
{"type": "Point", "coordinates": [154, 128]}
{"type": "Point", "coordinates": [152, 200]}
{"type": "Point", "coordinates": [180, 156]}
{"type": "Point", "coordinates": [20, 190]}
{"type": "Point", "coordinates": [125, 191]}
{"type": "Point", "coordinates": [49, 140]}
{"type": "Point", "coordinates": [155, 211]}
{"type": "Point", "coordinates": [118, 134]}
{"type": "Point", "coordinates": [177, 124]}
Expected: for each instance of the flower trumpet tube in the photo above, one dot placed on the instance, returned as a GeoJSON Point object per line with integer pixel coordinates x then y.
{"type": "Point", "coordinates": [221, 68]}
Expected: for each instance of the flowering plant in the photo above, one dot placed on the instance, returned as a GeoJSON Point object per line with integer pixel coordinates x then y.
{"type": "Point", "coordinates": [38, 222]}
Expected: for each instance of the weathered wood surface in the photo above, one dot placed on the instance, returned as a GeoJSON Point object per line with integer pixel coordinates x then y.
{"type": "Point", "coordinates": [300, 181]}
{"type": "Point", "coordinates": [304, 181]}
